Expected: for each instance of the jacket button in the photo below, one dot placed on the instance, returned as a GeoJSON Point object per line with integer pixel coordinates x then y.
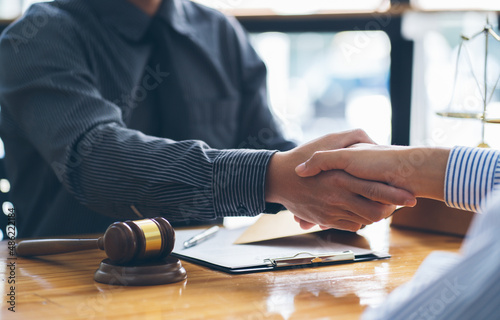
{"type": "Point", "coordinates": [242, 210]}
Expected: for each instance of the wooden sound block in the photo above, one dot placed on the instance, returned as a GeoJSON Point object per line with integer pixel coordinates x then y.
{"type": "Point", "coordinates": [148, 273]}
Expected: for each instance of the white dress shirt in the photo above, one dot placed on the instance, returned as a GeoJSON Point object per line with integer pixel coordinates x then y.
{"type": "Point", "coordinates": [465, 285]}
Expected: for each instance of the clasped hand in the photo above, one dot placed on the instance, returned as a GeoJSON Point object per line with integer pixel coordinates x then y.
{"type": "Point", "coordinates": [329, 196]}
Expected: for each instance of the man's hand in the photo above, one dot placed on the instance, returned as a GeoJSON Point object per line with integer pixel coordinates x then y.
{"type": "Point", "coordinates": [419, 170]}
{"type": "Point", "coordinates": [333, 199]}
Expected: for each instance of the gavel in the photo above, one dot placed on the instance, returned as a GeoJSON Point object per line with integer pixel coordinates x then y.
{"type": "Point", "coordinates": [123, 242]}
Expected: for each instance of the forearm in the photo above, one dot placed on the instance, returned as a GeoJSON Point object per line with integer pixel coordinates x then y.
{"type": "Point", "coordinates": [422, 171]}
{"type": "Point", "coordinates": [463, 177]}
{"type": "Point", "coordinates": [180, 180]}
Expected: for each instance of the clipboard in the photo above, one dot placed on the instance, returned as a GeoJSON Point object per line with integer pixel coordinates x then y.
{"type": "Point", "coordinates": [306, 250]}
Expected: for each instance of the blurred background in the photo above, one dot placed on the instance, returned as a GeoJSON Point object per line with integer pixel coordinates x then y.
{"type": "Point", "coordinates": [387, 67]}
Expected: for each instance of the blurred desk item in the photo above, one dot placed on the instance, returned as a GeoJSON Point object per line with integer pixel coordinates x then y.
{"type": "Point", "coordinates": [62, 286]}
{"type": "Point", "coordinates": [435, 216]}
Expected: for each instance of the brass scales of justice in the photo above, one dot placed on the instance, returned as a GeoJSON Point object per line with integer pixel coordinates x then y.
{"type": "Point", "coordinates": [486, 94]}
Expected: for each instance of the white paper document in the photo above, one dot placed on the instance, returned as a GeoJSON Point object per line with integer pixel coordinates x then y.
{"type": "Point", "coordinates": [221, 253]}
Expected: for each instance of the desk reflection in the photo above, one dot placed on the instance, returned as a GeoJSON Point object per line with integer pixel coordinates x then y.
{"type": "Point", "coordinates": [62, 286]}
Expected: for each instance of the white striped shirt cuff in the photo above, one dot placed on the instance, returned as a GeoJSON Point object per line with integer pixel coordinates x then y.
{"type": "Point", "coordinates": [471, 175]}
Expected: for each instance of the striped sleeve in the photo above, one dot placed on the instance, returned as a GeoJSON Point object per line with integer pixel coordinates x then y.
{"type": "Point", "coordinates": [238, 182]}
{"type": "Point", "coordinates": [471, 175]}
{"type": "Point", "coordinates": [181, 180]}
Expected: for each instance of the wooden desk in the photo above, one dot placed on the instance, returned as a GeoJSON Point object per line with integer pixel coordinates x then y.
{"type": "Point", "coordinates": [62, 287]}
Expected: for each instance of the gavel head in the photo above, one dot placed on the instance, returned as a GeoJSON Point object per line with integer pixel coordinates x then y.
{"type": "Point", "coordinates": [133, 241]}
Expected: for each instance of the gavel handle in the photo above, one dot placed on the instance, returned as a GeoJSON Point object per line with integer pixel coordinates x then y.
{"type": "Point", "coordinates": [27, 248]}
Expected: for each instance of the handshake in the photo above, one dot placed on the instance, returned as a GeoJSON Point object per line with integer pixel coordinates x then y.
{"type": "Point", "coordinates": [344, 180]}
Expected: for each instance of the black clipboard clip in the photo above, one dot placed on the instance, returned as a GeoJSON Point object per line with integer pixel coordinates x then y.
{"type": "Point", "coordinates": [304, 258]}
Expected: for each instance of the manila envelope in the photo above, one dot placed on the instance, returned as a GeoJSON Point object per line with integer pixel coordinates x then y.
{"type": "Point", "coordinates": [273, 226]}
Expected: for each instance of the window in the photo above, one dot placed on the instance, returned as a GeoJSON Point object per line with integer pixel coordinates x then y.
{"type": "Point", "coordinates": [327, 82]}
{"type": "Point", "coordinates": [286, 7]}
{"type": "Point", "coordinates": [456, 4]}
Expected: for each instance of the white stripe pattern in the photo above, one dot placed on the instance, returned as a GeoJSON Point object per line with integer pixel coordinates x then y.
{"type": "Point", "coordinates": [471, 175]}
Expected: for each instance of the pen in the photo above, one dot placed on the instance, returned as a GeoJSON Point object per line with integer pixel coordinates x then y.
{"type": "Point", "coordinates": [205, 235]}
